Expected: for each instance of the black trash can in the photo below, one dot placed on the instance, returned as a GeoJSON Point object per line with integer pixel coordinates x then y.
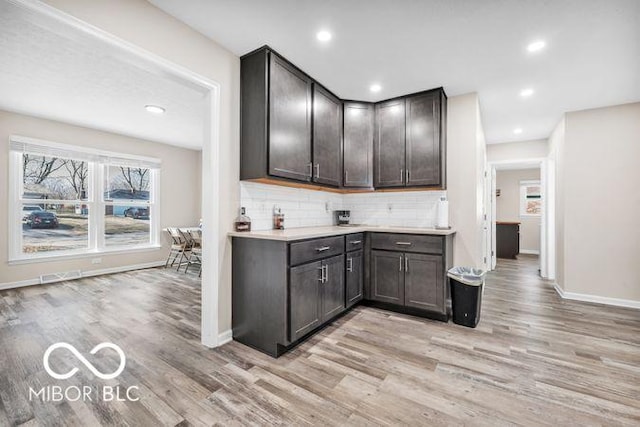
{"type": "Point", "coordinates": [467, 285]}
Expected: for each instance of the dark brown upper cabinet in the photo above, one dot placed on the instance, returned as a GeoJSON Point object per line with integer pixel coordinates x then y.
{"type": "Point", "coordinates": [409, 141]}
{"type": "Point", "coordinates": [327, 137]}
{"type": "Point", "coordinates": [389, 144]}
{"type": "Point", "coordinates": [424, 139]}
{"type": "Point", "coordinates": [276, 107]}
{"type": "Point", "coordinates": [358, 144]}
{"type": "Point", "coordinates": [292, 128]}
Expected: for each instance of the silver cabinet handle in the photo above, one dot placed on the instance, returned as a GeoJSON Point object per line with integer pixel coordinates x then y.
{"type": "Point", "coordinates": [346, 176]}
{"type": "Point", "coordinates": [350, 265]}
{"type": "Point", "coordinates": [326, 273]}
{"type": "Point", "coordinates": [317, 170]}
{"type": "Point", "coordinates": [356, 242]}
{"type": "Point", "coordinates": [321, 279]}
{"type": "Point", "coordinates": [310, 165]}
{"type": "Point", "coordinates": [403, 243]}
{"type": "Point", "coordinates": [407, 181]}
{"type": "Point", "coordinates": [406, 264]}
{"type": "Point", "coordinates": [401, 175]}
{"type": "Point", "coordinates": [400, 264]}
{"type": "Point", "coordinates": [324, 248]}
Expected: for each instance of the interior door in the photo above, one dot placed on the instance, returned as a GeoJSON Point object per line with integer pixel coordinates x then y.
{"type": "Point", "coordinates": [304, 299]}
{"type": "Point", "coordinates": [424, 282]}
{"type": "Point", "coordinates": [327, 137]}
{"type": "Point", "coordinates": [423, 139]}
{"type": "Point", "coordinates": [387, 277]}
{"type": "Point", "coordinates": [333, 302]}
{"type": "Point", "coordinates": [289, 122]}
{"type": "Point", "coordinates": [389, 144]}
{"type": "Point", "coordinates": [493, 219]}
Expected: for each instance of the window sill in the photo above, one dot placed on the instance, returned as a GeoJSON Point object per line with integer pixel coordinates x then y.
{"type": "Point", "coordinates": [81, 255]}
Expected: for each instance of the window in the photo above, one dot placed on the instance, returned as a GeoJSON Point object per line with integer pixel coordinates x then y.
{"type": "Point", "coordinates": [69, 201]}
{"type": "Point", "coordinates": [530, 198]}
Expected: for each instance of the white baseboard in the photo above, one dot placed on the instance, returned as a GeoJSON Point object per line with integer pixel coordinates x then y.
{"type": "Point", "coordinates": [618, 302]}
{"type": "Point", "coordinates": [89, 273]}
{"type": "Point", "coordinates": [529, 252]}
{"type": "Point", "coordinates": [225, 337]}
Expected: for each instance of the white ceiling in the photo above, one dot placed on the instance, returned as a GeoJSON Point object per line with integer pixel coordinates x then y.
{"type": "Point", "coordinates": [50, 70]}
{"type": "Point", "coordinates": [592, 58]}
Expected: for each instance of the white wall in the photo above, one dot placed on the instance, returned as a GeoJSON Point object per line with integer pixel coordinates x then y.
{"type": "Point", "coordinates": [178, 208]}
{"type": "Point", "coordinates": [305, 208]}
{"type": "Point", "coordinates": [534, 149]}
{"type": "Point", "coordinates": [146, 26]}
{"type": "Point", "coordinates": [602, 202]}
{"type": "Point", "coordinates": [466, 161]}
{"type": "Point", "coordinates": [508, 206]}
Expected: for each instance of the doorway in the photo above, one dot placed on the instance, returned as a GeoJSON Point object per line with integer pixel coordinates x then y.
{"type": "Point", "coordinates": [520, 215]}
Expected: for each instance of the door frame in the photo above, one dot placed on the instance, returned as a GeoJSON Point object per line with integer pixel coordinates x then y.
{"type": "Point", "coordinates": [547, 220]}
{"type": "Point", "coordinates": [211, 336]}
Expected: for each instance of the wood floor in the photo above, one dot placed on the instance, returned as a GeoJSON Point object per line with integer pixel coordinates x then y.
{"type": "Point", "coordinates": [534, 359]}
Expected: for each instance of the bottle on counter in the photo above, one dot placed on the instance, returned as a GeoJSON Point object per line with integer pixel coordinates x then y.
{"type": "Point", "coordinates": [278, 219]}
{"type": "Point", "coordinates": [243, 222]}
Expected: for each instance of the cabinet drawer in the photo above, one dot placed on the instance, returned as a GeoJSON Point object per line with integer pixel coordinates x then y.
{"type": "Point", "coordinates": [407, 243]}
{"type": "Point", "coordinates": [311, 250]}
{"type": "Point", "coordinates": [354, 242]}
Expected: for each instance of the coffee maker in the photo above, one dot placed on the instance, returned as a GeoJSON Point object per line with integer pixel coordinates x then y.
{"type": "Point", "coordinates": [342, 217]}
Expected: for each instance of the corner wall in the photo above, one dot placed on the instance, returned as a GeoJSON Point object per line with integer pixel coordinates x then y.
{"type": "Point", "coordinates": [466, 159]}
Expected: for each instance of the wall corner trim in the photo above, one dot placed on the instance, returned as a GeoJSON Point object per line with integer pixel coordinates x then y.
{"type": "Point", "coordinates": [225, 337]}
{"type": "Point", "coordinates": [617, 302]}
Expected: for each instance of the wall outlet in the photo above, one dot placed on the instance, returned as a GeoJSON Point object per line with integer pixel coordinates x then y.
{"type": "Point", "coordinates": [96, 261]}
{"type": "Point", "coordinates": [390, 207]}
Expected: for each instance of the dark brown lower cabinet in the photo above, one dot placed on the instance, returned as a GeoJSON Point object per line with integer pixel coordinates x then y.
{"type": "Point", "coordinates": [424, 282]}
{"type": "Point", "coordinates": [332, 289]}
{"type": "Point", "coordinates": [354, 278]}
{"type": "Point", "coordinates": [387, 277]}
{"type": "Point", "coordinates": [305, 298]}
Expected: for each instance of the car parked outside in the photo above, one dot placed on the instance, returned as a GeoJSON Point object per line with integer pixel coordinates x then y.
{"type": "Point", "coordinates": [42, 219]}
{"type": "Point", "coordinates": [137, 213]}
{"type": "Point", "coordinates": [28, 209]}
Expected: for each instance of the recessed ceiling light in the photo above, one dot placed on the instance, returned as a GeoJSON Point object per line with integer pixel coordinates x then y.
{"type": "Point", "coordinates": [536, 46]}
{"type": "Point", "coordinates": [525, 93]}
{"type": "Point", "coordinates": [154, 109]}
{"type": "Point", "coordinates": [323, 36]}
{"type": "Point", "coordinates": [517, 131]}
{"type": "Point", "coordinates": [375, 87]}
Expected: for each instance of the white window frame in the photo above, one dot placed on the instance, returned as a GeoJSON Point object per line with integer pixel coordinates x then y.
{"type": "Point", "coordinates": [523, 198]}
{"type": "Point", "coordinates": [97, 161]}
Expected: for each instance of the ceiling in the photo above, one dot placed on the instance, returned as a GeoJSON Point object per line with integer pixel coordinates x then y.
{"type": "Point", "coordinates": [50, 70]}
{"type": "Point", "coordinates": [591, 59]}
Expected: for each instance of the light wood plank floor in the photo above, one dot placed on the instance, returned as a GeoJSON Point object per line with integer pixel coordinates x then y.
{"type": "Point", "coordinates": [533, 360]}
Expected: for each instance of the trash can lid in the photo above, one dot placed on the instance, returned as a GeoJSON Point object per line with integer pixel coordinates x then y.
{"type": "Point", "coordinates": [467, 275]}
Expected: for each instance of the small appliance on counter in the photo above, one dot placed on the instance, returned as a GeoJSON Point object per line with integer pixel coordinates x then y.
{"type": "Point", "coordinates": [242, 223]}
{"type": "Point", "coordinates": [342, 217]}
{"type": "Point", "coordinates": [442, 221]}
{"type": "Point", "coordinates": [278, 219]}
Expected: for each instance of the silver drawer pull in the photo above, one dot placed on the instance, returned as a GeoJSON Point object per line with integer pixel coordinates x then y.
{"type": "Point", "coordinates": [324, 248]}
{"type": "Point", "coordinates": [356, 242]}
{"type": "Point", "coordinates": [403, 243]}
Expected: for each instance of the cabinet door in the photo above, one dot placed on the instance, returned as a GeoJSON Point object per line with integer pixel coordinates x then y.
{"type": "Point", "coordinates": [358, 144]}
{"type": "Point", "coordinates": [327, 137]}
{"type": "Point", "coordinates": [423, 139]}
{"type": "Point", "coordinates": [289, 122]}
{"type": "Point", "coordinates": [387, 277]}
{"type": "Point", "coordinates": [304, 299]}
{"type": "Point", "coordinates": [333, 287]}
{"type": "Point", "coordinates": [424, 282]}
{"type": "Point", "coordinates": [355, 277]}
{"type": "Point", "coordinates": [389, 148]}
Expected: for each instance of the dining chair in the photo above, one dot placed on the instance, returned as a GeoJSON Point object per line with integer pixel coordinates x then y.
{"type": "Point", "coordinates": [188, 246]}
{"type": "Point", "coordinates": [195, 255]}
{"type": "Point", "coordinates": [177, 246]}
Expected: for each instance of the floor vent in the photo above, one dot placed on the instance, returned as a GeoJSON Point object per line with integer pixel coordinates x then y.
{"type": "Point", "coordinates": [59, 277]}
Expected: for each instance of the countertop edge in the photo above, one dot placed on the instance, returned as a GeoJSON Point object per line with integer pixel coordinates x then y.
{"type": "Point", "coordinates": [271, 234]}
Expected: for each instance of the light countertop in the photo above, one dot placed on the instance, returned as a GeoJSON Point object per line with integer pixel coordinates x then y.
{"type": "Point", "coordinates": [327, 231]}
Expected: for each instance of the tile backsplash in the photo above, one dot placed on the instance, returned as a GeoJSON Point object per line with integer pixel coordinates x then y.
{"type": "Point", "coordinates": [305, 208]}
